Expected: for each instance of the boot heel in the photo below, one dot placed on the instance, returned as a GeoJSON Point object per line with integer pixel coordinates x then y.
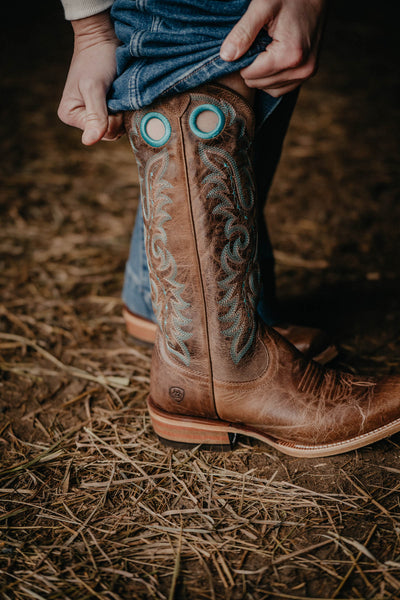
{"type": "Point", "coordinates": [183, 432]}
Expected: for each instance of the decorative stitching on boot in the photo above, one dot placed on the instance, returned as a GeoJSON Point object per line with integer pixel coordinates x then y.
{"type": "Point", "coordinates": [155, 143]}
{"type": "Point", "coordinates": [207, 135]}
{"type": "Point", "coordinates": [236, 207]}
{"type": "Point", "coordinates": [166, 292]}
{"type": "Point", "coordinates": [227, 109]}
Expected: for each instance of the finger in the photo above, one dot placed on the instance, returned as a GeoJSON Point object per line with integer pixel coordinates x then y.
{"type": "Point", "coordinates": [280, 79]}
{"type": "Point", "coordinates": [115, 128]}
{"type": "Point", "coordinates": [284, 79]}
{"type": "Point", "coordinates": [72, 112]}
{"type": "Point", "coordinates": [96, 117]}
{"type": "Point", "coordinates": [281, 91]}
{"type": "Point", "coordinates": [241, 37]}
{"type": "Point", "coordinates": [277, 57]}
{"type": "Point", "coordinates": [276, 79]}
{"type": "Point", "coordinates": [276, 86]}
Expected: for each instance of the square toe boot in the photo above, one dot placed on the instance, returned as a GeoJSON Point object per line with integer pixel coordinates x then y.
{"type": "Point", "coordinates": [216, 371]}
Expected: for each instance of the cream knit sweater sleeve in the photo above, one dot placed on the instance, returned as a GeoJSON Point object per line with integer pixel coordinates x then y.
{"type": "Point", "coordinates": [79, 9]}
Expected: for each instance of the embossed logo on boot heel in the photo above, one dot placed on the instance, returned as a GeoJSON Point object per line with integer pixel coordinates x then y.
{"type": "Point", "coordinates": [176, 393]}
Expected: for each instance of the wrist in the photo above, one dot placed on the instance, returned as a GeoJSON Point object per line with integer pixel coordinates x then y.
{"type": "Point", "coordinates": [93, 30]}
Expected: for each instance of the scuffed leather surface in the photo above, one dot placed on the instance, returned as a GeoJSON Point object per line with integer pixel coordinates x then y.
{"type": "Point", "coordinates": [301, 402]}
{"type": "Point", "coordinates": [167, 376]}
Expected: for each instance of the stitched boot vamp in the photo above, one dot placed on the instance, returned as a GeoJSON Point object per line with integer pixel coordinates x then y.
{"type": "Point", "coordinates": [300, 402]}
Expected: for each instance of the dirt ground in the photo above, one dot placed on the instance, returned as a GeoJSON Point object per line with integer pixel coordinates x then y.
{"type": "Point", "coordinates": [91, 505]}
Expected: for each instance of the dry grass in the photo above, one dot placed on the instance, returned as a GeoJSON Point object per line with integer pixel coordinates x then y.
{"type": "Point", "coordinates": [102, 511]}
{"type": "Point", "coordinates": [91, 505]}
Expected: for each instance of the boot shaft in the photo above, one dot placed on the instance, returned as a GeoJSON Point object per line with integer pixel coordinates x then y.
{"type": "Point", "coordinates": [199, 208]}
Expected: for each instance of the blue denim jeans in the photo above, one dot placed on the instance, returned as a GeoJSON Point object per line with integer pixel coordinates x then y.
{"type": "Point", "coordinates": [171, 46]}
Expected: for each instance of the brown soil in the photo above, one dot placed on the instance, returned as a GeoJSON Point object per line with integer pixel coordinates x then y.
{"type": "Point", "coordinates": [91, 505]}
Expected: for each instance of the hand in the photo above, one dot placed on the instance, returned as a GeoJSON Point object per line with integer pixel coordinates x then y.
{"type": "Point", "coordinates": [91, 73]}
{"type": "Point", "coordinates": [296, 27]}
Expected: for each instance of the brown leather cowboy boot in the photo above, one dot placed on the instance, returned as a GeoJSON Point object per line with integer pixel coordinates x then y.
{"type": "Point", "coordinates": [216, 371]}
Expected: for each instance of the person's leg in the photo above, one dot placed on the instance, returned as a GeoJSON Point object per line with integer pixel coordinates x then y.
{"type": "Point", "coordinates": [216, 369]}
{"type": "Point", "coordinates": [268, 144]}
{"type": "Point", "coordinates": [136, 295]}
{"type": "Point", "coordinates": [136, 290]}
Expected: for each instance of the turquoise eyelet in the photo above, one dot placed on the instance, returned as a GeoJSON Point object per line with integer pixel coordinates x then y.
{"type": "Point", "coordinates": [145, 135]}
{"type": "Point", "coordinates": [206, 135]}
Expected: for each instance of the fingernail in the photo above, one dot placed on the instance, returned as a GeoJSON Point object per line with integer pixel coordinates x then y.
{"type": "Point", "coordinates": [228, 51]}
{"type": "Point", "coordinates": [111, 139]}
{"type": "Point", "coordinates": [90, 136]}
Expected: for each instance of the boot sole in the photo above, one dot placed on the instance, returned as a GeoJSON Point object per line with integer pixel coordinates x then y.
{"type": "Point", "coordinates": [143, 330]}
{"type": "Point", "coordinates": [188, 432]}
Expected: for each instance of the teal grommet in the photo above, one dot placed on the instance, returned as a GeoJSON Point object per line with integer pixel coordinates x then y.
{"type": "Point", "coordinates": [153, 142]}
{"type": "Point", "coordinates": [206, 135]}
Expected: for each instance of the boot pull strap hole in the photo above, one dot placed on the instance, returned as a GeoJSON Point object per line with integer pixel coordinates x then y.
{"type": "Point", "coordinates": [206, 121]}
{"type": "Point", "coordinates": [155, 129]}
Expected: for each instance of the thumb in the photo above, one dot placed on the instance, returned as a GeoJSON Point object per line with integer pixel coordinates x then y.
{"type": "Point", "coordinates": [96, 116]}
{"type": "Point", "coordinates": [241, 37]}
